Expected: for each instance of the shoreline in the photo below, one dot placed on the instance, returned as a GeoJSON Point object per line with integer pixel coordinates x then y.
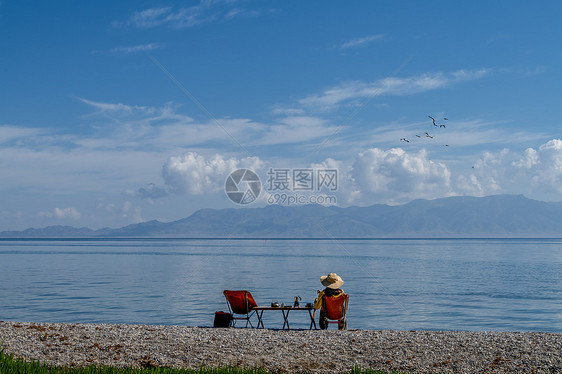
{"type": "Point", "coordinates": [294, 351]}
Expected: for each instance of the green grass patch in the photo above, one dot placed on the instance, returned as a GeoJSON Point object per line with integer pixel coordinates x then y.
{"type": "Point", "coordinates": [12, 365]}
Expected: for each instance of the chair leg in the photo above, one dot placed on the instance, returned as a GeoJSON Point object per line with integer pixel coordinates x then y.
{"type": "Point", "coordinates": [248, 322]}
{"type": "Point", "coordinates": [323, 320]}
{"type": "Point", "coordinates": [249, 319]}
{"type": "Point", "coordinates": [342, 324]}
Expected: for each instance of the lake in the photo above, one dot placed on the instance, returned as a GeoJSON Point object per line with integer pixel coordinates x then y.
{"type": "Point", "coordinates": [414, 284]}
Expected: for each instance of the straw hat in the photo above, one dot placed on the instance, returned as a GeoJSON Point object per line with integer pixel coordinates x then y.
{"type": "Point", "coordinates": [331, 280]}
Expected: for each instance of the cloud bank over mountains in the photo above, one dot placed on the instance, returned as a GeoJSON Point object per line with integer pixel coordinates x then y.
{"type": "Point", "coordinates": [193, 174]}
{"type": "Point", "coordinates": [395, 175]}
{"type": "Point", "coordinates": [387, 176]}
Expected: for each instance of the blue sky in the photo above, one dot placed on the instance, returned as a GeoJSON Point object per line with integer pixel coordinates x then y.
{"type": "Point", "coordinates": [113, 113]}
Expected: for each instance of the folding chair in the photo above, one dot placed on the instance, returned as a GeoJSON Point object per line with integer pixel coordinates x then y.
{"type": "Point", "coordinates": [241, 303]}
{"type": "Point", "coordinates": [334, 310]}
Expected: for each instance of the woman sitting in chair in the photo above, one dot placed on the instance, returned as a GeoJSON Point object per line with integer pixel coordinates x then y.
{"type": "Point", "coordinates": [332, 282]}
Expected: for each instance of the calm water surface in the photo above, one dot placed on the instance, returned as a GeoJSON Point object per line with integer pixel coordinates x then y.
{"type": "Point", "coordinates": [457, 284]}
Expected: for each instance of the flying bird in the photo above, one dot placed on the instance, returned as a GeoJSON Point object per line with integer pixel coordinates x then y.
{"type": "Point", "coordinates": [405, 140]}
{"type": "Point", "coordinates": [442, 126]}
{"type": "Point", "coordinates": [446, 119]}
{"type": "Point", "coordinates": [428, 136]}
{"type": "Point", "coordinates": [433, 119]}
{"type": "Point", "coordinates": [419, 136]}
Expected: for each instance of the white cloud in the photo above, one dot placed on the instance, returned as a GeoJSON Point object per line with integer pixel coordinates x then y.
{"type": "Point", "coordinates": [120, 108]}
{"type": "Point", "coordinates": [333, 96]}
{"type": "Point", "coordinates": [553, 148]}
{"type": "Point", "coordinates": [194, 174]}
{"type": "Point", "coordinates": [489, 175]}
{"type": "Point", "coordinates": [203, 12]}
{"type": "Point", "coordinates": [239, 12]}
{"type": "Point", "coordinates": [67, 213]}
{"type": "Point", "coordinates": [529, 159]}
{"type": "Point", "coordinates": [295, 129]}
{"type": "Point", "coordinates": [150, 191]}
{"type": "Point", "coordinates": [288, 111]}
{"type": "Point", "coordinates": [328, 163]}
{"type": "Point", "coordinates": [62, 213]}
{"type": "Point", "coordinates": [347, 192]}
{"type": "Point", "coordinates": [535, 172]}
{"type": "Point", "coordinates": [151, 17]}
{"type": "Point", "coordinates": [360, 42]}
{"type": "Point", "coordinates": [129, 211]}
{"type": "Point", "coordinates": [391, 176]}
{"type": "Point", "coordinates": [543, 167]}
{"type": "Point", "coordinates": [135, 126]}
{"type": "Point", "coordinates": [48, 167]}
{"type": "Point", "coordinates": [13, 133]}
{"type": "Point", "coordinates": [395, 176]}
{"type": "Point", "coordinates": [136, 48]}
{"type": "Point", "coordinates": [470, 185]}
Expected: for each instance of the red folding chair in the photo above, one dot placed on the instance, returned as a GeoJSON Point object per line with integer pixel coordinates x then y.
{"type": "Point", "coordinates": [241, 303]}
{"type": "Point", "coordinates": [334, 310]}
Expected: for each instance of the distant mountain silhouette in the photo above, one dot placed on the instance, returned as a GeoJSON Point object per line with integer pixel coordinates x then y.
{"type": "Point", "coordinates": [492, 216]}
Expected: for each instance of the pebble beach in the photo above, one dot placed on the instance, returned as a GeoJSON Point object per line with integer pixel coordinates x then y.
{"type": "Point", "coordinates": [301, 351]}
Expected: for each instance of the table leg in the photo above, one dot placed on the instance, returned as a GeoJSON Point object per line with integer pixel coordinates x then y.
{"type": "Point", "coordinates": [312, 322]}
{"type": "Point", "coordinates": [286, 319]}
{"type": "Point", "coordinates": [260, 321]}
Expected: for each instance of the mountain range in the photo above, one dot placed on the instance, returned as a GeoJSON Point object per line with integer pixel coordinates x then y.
{"type": "Point", "coordinates": [500, 216]}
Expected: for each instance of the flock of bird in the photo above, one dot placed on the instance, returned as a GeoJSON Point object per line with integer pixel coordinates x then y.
{"type": "Point", "coordinates": [427, 135]}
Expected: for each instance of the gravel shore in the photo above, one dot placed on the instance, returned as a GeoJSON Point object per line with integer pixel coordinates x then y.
{"type": "Point", "coordinates": [329, 351]}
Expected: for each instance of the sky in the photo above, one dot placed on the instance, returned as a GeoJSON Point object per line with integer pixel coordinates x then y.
{"type": "Point", "coordinates": [114, 113]}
